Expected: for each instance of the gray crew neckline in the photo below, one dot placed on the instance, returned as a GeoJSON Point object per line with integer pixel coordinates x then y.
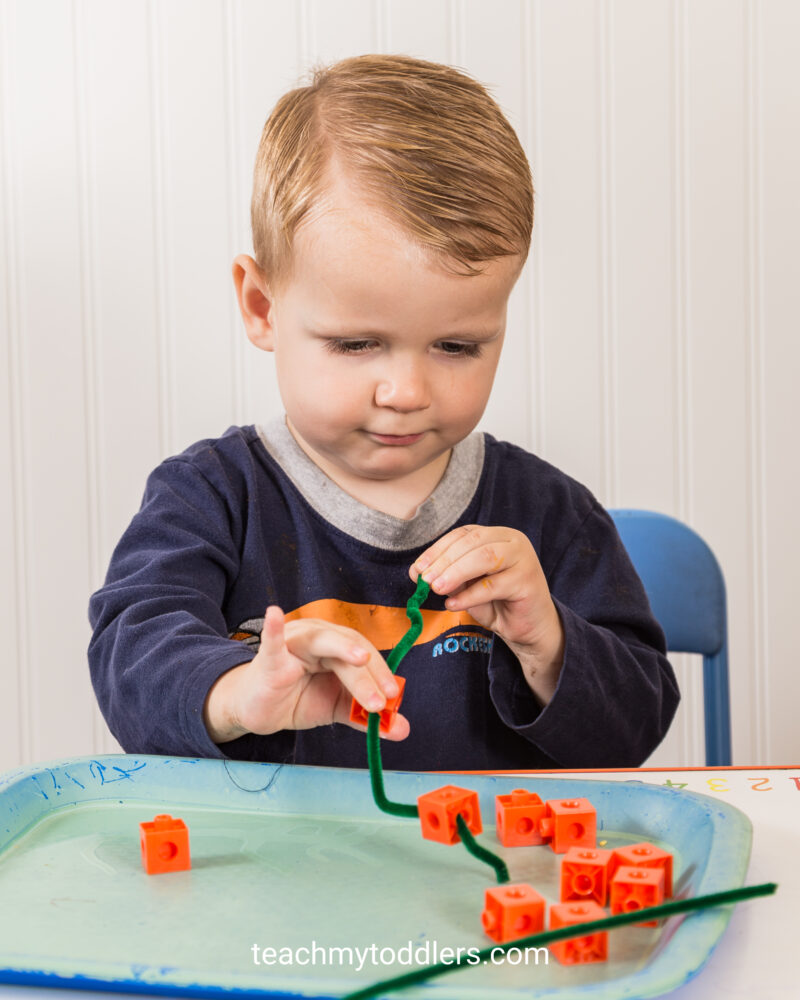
{"type": "Point", "coordinates": [433, 517]}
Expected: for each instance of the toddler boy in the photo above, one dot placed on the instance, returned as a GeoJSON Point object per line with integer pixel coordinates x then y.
{"type": "Point", "coordinates": [392, 213]}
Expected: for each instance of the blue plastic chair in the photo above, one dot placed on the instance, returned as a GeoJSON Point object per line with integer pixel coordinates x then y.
{"type": "Point", "coordinates": [686, 589]}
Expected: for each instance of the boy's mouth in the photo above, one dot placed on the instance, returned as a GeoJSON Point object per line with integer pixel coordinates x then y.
{"type": "Point", "coordinates": [397, 438]}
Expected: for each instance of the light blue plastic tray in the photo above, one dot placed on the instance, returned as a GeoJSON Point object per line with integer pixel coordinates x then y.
{"type": "Point", "coordinates": [288, 857]}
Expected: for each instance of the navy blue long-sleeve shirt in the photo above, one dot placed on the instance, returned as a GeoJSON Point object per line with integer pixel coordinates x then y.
{"type": "Point", "coordinates": [235, 524]}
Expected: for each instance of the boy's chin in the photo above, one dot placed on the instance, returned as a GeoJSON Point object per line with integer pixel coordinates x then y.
{"type": "Point", "coordinates": [401, 472]}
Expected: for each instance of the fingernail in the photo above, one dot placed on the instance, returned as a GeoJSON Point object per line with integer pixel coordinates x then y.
{"type": "Point", "coordinates": [421, 563]}
{"type": "Point", "coordinates": [375, 702]}
{"type": "Point", "coordinates": [440, 583]}
{"type": "Point", "coordinates": [390, 689]}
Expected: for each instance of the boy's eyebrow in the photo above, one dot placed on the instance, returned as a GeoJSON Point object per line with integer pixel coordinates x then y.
{"type": "Point", "coordinates": [354, 332]}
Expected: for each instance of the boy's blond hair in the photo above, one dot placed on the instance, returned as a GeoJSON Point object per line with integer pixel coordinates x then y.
{"type": "Point", "coordinates": [425, 142]}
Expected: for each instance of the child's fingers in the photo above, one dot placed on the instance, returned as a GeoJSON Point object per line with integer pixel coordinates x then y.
{"type": "Point", "coordinates": [360, 668]}
{"type": "Point", "coordinates": [483, 563]}
{"type": "Point", "coordinates": [398, 730]}
{"type": "Point", "coordinates": [426, 559]}
{"type": "Point", "coordinates": [272, 638]}
{"type": "Point", "coordinates": [499, 587]}
{"type": "Point", "coordinates": [329, 643]}
{"type": "Point", "coordinates": [461, 542]}
{"type": "Point", "coordinates": [368, 683]}
{"type": "Point", "coordinates": [362, 684]}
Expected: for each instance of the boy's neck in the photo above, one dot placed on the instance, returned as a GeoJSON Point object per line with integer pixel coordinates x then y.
{"type": "Point", "coordinates": [398, 497]}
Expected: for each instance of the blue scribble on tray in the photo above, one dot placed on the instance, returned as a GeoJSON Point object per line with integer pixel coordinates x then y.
{"type": "Point", "coordinates": [99, 772]}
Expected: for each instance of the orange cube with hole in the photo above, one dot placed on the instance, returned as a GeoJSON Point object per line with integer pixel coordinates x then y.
{"type": "Point", "coordinates": [512, 911]}
{"type": "Point", "coordinates": [633, 888]}
{"type": "Point", "coordinates": [517, 816]}
{"type": "Point", "coordinates": [359, 714]}
{"type": "Point", "coordinates": [569, 823]}
{"type": "Point", "coordinates": [438, 811]}
{"type": "Point", "coordinates": [585, 874]}
{"type": "Point", "coordinates": [165, 845]}
{"type": "Point", "coordinates": [579, 950]}
{"type": "Point", "coordinates": [646, 856]}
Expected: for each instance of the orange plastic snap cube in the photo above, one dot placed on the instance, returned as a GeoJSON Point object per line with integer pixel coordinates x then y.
{"type": "Point", "coordinates": [569, 823]}
{"type": "Point", "coordinates": [584, 874]}
{"type": "Point", "coordinates": [512, 911]}
{"type": "Point", "coordinates": [634, 888]}
{"type": "Point", "coordinates": [646, 856]}
{"type": "Point", "coordinates": [359, 714]}
{"type": "Point", "coordinates": [579, 950]}
{"type": "Point", "coordinates": [517, 816]}
{"type": "Point", "coordinates": [438, 811]}
{"type": "Point", "coordinates": [165, 845]}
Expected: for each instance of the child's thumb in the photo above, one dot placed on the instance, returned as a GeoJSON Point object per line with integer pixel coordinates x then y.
{"type": "Point", "coordinates": [272, 639]}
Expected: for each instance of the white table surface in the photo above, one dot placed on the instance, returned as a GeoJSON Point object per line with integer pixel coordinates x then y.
{"type": "Point", "coordinates": [757, 956]}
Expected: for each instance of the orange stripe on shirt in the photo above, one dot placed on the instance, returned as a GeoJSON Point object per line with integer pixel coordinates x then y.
{"type": "Point", "coordinates": [383, 626]}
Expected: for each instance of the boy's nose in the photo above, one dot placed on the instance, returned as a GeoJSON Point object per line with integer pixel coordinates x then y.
{"type": "Point", "coordinates": [404, 389]}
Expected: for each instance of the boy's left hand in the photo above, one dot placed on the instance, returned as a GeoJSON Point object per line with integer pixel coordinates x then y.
{"type": "Point", "coordinates": [494, 574]}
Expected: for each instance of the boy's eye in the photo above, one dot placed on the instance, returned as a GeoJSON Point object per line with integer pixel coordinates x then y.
{"type": "Point", "coordinates": [347, 346]}
{"type": "Point", "coordinates": [453, 348]}
{"type": "Point", "coordinates": [456, 349]}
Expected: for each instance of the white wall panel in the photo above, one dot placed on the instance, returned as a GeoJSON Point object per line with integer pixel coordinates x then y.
{"type": "Point", "coordinates": [265, 63]}
{"type": "Point", "coordinates": [196, 170]}
{"type": "Point", "coordinates": [13, 531]}
{"type": "Point", "coordinates": [509, 414]}
{"type": "Point", "coordinates": [123, 317]}
{"type": "Point", "coordinates": [642, 119]}
{"type": "Point", "coordinates": [569, 222]}
{"type": "Point", "coordinates": [125, 404]}
{"type": "Point", "coordinates": [49, 230]}
{"type": "Point", "coordinates": [417, 28]}
{"type": "Point", "coordinates": [776, 316]}
{"type": "Point", "coordinates": [333, 31]}
{"type": "Point", "coordinates": [651, 350]}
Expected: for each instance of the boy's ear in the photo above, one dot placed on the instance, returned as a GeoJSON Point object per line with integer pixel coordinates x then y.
{"type": "Point", "coordinates": [255, 302]}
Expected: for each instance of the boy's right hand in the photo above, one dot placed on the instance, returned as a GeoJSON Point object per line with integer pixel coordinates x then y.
{"type": "Point", "coordinates": [305, 674]}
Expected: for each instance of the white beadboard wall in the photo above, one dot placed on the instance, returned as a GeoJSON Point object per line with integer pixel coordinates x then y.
{"type": "Point", "coordinates": [652, 349]}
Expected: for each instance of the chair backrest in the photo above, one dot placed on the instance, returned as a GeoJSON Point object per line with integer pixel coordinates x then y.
{"type": "Point", "coordinates": [686, 589]}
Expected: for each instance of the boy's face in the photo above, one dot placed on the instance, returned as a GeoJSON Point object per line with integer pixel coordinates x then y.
{"type": "Point", "coordinates": [384, 360]}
